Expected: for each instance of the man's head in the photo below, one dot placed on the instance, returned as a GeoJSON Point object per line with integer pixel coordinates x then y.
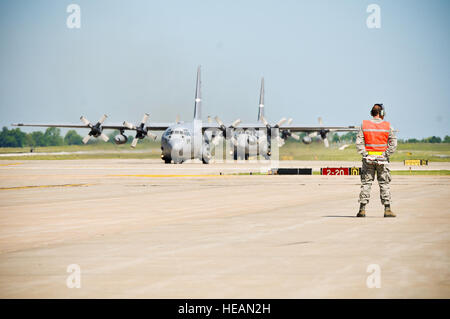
{"type": "Point", "coordinates": [378, 111]}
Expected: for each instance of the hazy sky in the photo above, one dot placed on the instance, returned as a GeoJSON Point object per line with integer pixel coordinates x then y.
{"type": "Point", "coordinates": [318, 58]}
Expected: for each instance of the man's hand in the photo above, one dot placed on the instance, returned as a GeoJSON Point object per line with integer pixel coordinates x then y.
{"type": "Point", "coordinates": [377, 159]}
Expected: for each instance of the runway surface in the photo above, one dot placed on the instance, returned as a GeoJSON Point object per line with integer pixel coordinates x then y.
{"type": "Point", "coordinates": [142, 229]}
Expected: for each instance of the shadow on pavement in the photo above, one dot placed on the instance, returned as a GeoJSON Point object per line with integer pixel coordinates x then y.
{"type": "Point", "coordinates": [350, 216]}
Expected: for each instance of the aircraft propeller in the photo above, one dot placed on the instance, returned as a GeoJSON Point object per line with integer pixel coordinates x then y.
{"type": "Point", "coordinates": [269, 132]}
{"type": "Point", "coordinates": [223, 128]}
{"type": "Point", "coordinates": [141, 130]}
{"type": "Point", "coordinates": [277, 125]}
{"type": "Point", "coordinates": [96, 129]}
{"type": "Point", "coordinates": [285, 133]}
{"type": "Point", "coordinates": [323, 134]}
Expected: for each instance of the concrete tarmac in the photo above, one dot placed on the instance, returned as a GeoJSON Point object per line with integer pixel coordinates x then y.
{"type": "Point", "coordinates": [142, 229]}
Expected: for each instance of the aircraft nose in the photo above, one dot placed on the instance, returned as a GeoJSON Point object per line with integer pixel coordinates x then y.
{"type": "Point", "coordinates": [176, 147]}
{"type": "Point", "coordinates": [174, 143]}
{"type": "Point", "coordinates": [242, 142]}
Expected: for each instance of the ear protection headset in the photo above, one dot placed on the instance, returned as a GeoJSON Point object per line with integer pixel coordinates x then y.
{"type": "Point", "coordinates": [382, 111]}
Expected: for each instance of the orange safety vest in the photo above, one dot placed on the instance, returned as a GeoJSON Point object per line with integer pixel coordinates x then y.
{"type": "Point", "coordinates": [376, 135]}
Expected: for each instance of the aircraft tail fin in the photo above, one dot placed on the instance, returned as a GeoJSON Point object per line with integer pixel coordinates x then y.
{"type": "Point", "coordinates": [261, 101]}
{"type": "Point", "coordinates": [198, 97]}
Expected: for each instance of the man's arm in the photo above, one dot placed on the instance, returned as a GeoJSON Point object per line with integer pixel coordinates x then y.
{"type": "Point", "coordinates": [360, 144]}
{"type": "Point", "coordinates": [392, 143]}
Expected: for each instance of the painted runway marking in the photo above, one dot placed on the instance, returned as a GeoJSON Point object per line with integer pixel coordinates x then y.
{"type": "Point", "coordinates": [44, 186]}
{"type": "Point", "coordinates": [167, 175]}
{"type": "Point", "coordinates": [9, 164]}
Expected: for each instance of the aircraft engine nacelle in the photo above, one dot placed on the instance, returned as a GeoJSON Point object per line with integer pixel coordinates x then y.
{"type": "Point", "coordinates": [206, 156]}
{"type": "Point", "coordinates": [120, 139]}
{"type": "Point", "coordinates": [307, 139]}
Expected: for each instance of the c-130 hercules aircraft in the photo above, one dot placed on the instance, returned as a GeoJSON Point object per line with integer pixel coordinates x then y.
{"type": "Point", "coordinates": [183, 141]}
{"type": "Point", "coordinates": [258, 140]}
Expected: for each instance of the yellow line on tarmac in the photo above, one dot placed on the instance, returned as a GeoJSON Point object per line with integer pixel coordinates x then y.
{"type": "Point", "coordinates": [10, 164]}
{"type": "Point", "coordinates": [167, 175]}
{"type": "Point", "coordinates": [43, 186]}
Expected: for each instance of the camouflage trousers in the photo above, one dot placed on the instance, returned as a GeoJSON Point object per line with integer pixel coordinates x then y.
{"type": "Point", "coordinates": [383, 174]}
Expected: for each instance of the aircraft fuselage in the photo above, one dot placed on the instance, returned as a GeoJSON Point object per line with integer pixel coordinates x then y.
{"type": "Point", "coordinates": [184, 141]}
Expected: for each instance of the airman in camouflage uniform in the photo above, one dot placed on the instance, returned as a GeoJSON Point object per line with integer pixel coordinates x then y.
{"type": "Point", "coordinates": [380, 169]}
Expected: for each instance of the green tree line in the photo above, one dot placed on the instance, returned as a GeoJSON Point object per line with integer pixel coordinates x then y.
{"type": "Point", "coordinates": [351, 137]}
{"type": "Point", "coordinates": [51, 137]}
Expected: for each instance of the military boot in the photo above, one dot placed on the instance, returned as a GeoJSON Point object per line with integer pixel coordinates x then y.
{"type": "Point", "coordinates": [388, 212]}
{"type": "Point", "coordinates": [362, 211]}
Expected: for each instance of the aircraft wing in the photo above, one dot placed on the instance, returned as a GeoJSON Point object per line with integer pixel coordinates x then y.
{"type": "Point", "coordinates": [150, 126]}
{"type": "Point", "coordinates": [205, 126]}
{"type": "Point", "coordinates": [158, 126]}
{"type": "Point", "coordinates": [114, 127]}
{"type": "Point", "coordinates": [292, 128]}
{"type": "Point", "coordinates": [295, 128]}
{"type": "Point", "coordinates": [96, 130]}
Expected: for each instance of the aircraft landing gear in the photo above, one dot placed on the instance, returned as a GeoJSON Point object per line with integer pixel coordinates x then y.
{"type": "Point", "coordinates": [237, 156]}
{"type": "Point", "coordinates": [206, 160]}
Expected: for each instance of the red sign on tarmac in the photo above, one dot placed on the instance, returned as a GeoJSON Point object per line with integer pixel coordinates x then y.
{"type": "Point", "coordinates": [333, 171]}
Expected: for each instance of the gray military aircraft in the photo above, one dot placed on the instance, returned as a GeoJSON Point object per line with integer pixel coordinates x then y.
{"type": "Point", "coordinates": [252, 140]}
{"type": "Point", "coordinates": [182, 141]}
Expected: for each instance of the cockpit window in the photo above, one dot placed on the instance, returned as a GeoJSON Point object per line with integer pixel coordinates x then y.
{"type": "Point", "coordinates": [178, 131]}
{"type": "Point", "coordinates": [250, 132]}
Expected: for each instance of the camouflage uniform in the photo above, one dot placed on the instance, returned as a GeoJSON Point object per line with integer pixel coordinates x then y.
{"type": "Point", "coordinates": [382, 171]}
